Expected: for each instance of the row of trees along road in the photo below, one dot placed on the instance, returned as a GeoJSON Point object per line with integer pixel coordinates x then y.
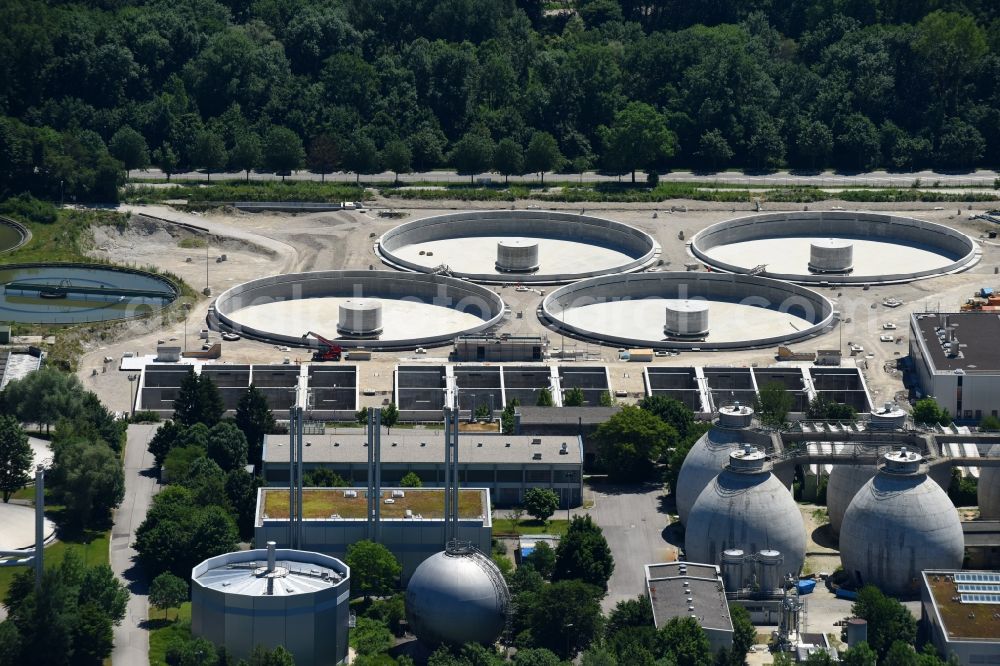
{"type": "Point", "coordinates": [90, 91]}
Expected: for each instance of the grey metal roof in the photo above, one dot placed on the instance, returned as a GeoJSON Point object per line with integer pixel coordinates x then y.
{"type": "Point", "coordinates": [566, 415]}
{"type": "Point", "coordinates": [669, 596]}
{"type": "Point", "coordinates": [427, 446]}
{"type": "Point", "coordinates": [976, 332]}
{"type": "Point", "coordinates": [244, 572]}
{"type": "Point", "coordinates": [981, 533]}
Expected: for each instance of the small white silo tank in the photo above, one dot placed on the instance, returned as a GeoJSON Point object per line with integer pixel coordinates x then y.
{"type": "Point", "coordinates": [293, 598]}
{"type": "Point", "coordinates": [517, 255]}
{"type": "Point", "coordinates": [732, 569]}
{"type": "Point", "coordinates": [888, 417]}
{"type": "Point", "coordinates": [831, 255]}
{"type": "Point", "coordinates": [710, 454]}
{"type": "Point", "coordinates": [686, 318]}
{"type": "Point", "coordinates": [360, 318]}
{"type": "Point", "coordinates": [746, 507]}
{"type": "Point", "coordinates": [900, 523]}
{"type": "Point", "coordinates": [769, 575]}
{"type": "Point", "coordinates": [989, 488]}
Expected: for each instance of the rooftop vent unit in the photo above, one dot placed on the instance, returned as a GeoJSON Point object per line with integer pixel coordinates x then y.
{"type": "Point", "coordinates": [350, 493]}
{"type": "Point", "coordinates": [536, 441]}
{"type": "Point", "coordinates": [564, 449]}
{"type": "Point", "coordinates": [399, 493]}
{"type": "Point", "coordinates": [536, 456]}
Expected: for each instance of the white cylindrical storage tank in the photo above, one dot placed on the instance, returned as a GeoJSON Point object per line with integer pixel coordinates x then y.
{"type": "Point", "coordinates": [746, 507]}
{"type": "Point", "coordinates": [456, 597]}
{"type": "Point", "coordinates": [686, 319]}
{"type": "Point", "coordinates": [296, 599]}
{"type": "Point", "coordinates": [989, 488]}
{"type": "Point", "coordinates": [831, 255]}
{"type": "Point", "coordinates": [889, 417]}
{"type": "Point", "coordinates": [900, 523]}
{"type": "Point", "coordinates": [844, 483]}
{"type": "Point", "coordinates": [710, 454]}
{"type": "Point", "coordinates": [769, 575]}
{"type": "Point", "coordinates": [732, 569]}
{"type": "Point", "coordinates": [517, 255]}
{"type": "Point", "coordinates": [359, 317]}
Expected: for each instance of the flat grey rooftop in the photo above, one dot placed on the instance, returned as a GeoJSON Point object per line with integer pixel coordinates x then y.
{"type": "Point", "coordinates": [569, 416]}
{"type": "Point", "coordinates": [427, 446]}
{"type": "Point", "coordinates": [669, 596]}
{"type": "Point", "coordinates": [977, 334]}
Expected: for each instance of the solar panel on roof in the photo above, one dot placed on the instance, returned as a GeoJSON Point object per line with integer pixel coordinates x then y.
{"type": "Point", "coordinates": [979, 587]}
{"type": "Point", "coordinates": [981, 598]}
{"type": "Point", "coordinates": [977, 578]}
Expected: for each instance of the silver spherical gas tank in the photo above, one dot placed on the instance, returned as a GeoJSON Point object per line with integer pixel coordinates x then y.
{"type": "Point", "coordinates": [989, 488]}
{"type": "Point", "coordinates": [747, 509]}
{"type": "Point", "coordinates": [456, 598]}
{"type": "Point", "coordinates": [900, 523]}
{"type": "Point", "coordinates": [845, 482]}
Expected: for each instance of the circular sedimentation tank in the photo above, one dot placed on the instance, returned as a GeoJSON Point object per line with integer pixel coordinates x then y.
{"type": "Point", "coordinates": [900, 523]}
{"type": "Point", "coordinates": [517, 255]}
{"type": "Point", "coordinates": [456, 597]}
{"type": "Point", "coordinates": [835, 247]}
{"type": "Point", "coordinates": [79, 293]}
{"type": "Point", "coordinates": [746, 508]}
{"type": "Point", "coordinates": [747, 311]}
{"type": "Point", "coordinates": [844, 483]}
{"type": "Point", "coordinates": [529, 246]}
{"type": "Point", "coordinates": [391, 310]}
{"type": "Point", "coordinates": [710, 454]}
{"type": "Point", "coordinates": [686, 319]}
{"type": "Point", "coordinates": [989, 488]}
{"type": "Point", "coordinates": [12, 235]}
{"type": "Point", "coordinates": [359, 318]}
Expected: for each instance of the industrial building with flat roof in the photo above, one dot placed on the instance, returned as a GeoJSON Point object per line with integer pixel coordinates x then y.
{"type": "Point", "coordinates": [506, 464]}
{"type": "Point", "coordinates": [957, 361]}
{"type": "Point", "coordinates": [962, 612]}
{"type": "Point", "coordinates": [411, 520]}
{"type": "Point", "coordinates": [683, 589]}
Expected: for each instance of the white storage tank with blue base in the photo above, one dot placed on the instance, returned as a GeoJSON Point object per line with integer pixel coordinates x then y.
{"type": "Point", "coordinates": [293, 598]}
{"type": "Point", "coordinates": [747, 508]}
{"type": "Point", "coordinates": [900, 523]}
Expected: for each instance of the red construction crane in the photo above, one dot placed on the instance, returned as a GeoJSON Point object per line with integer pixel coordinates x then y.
{"type": "Point", "coordinates": [328, 351]}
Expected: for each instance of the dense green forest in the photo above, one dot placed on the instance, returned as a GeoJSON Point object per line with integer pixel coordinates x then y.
{"type": "Point", "coordinates": [90, 89]}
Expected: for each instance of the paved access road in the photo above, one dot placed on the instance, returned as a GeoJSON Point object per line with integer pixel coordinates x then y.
{"type": "Point", "coordinates": [982, 178]}
{"type": "Point", "coordinates": [633, 524]}
{"type": "Point", "coordinates": [132, 638]}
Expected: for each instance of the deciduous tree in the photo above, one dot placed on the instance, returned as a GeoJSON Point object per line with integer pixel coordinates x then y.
{"type": "Point", "coordinates": [374, 569]}
{"type": "Point", "coordinates": [15, 457]}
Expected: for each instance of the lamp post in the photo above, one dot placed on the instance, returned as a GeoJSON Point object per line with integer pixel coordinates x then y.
{"type": "Point", "coordinates": [131, 383]}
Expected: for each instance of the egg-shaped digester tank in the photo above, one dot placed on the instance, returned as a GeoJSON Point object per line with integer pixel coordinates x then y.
{"type": "Point", "coordinates": [900, 523]}
{"type": "Point", "coordinates": [710, 454]}
{"type": "Point", "coordinates": [845, 482]}
{"type": "Point", "coordinates": [989, 488]}
{"type": "Point", "coordinates": [455, 597]}
{"type": "Point", "coordinates": [747, 508]}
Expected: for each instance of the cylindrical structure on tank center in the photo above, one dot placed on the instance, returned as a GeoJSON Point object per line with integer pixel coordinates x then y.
{"type": "Point", "coordinates": [831, 255]}
{"type": "Point", "coordinates": [517, 255]}
{"type": "Point", "coordinates": [360, 318]}
{"type": "Point", "coordinates": [686, 319]}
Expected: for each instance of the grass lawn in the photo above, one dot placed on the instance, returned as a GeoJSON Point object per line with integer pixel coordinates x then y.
{"type": "Point", "coordinates": [505, 527]}
{"type": "Point", "coordinates": [162, 632]}
{"type": "Point", "coordinates": [93, 547]}
{"type": "Point", "coordinates": [321, 503]}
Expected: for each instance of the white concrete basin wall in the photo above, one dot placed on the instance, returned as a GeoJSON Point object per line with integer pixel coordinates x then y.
{"type": "Point", "coordinates": [780, 295]}
{"type": "Point", "coordinates": [18, 227]}
{"type": "Point", "coordinates": [874, 226]}
{"type": "Point", "coordinates": [582, 228]}
{"type": "Point", "coordinates": [434, 289]}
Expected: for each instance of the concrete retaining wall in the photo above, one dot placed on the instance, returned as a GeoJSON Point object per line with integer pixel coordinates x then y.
{"type": "Point", "coordinates": [454, 293]}
{"type": "Point", "coordinates": [777, 295]}
{"type": "Point", "coordinates": [873, 226]}
{"type": "Point", "coordinates": [532, 223]}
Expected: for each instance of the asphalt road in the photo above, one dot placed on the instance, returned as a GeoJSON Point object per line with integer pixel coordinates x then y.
{"type": "Point", "coordinates": [982, 178]}
{"type": "Point", "coordinates": [132, 636]}
{"type": "Point", "coordinates": [634, 526]}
